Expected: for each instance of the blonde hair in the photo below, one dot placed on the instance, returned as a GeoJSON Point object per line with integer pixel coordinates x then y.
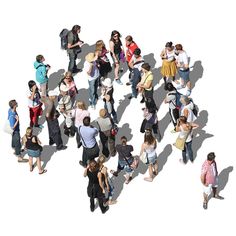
{"type": "Point", "coordinates": [28, 132]}
{"type": "Point", "coordinates": [81, 105]}
{"type": "Point", "coordinates": [102, 113]}
{"type": "Point", "coordinates": [101, 159]}
{"type": "Point", "coordinates": [68, 73]}
{"type": "Point", "coordinates": [99, 45]}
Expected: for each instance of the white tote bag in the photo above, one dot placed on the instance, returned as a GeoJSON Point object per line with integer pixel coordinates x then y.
{"type": "Point", "coordinates": [143, 157]}
{"type": "Point", "coordinates": [7, 128]}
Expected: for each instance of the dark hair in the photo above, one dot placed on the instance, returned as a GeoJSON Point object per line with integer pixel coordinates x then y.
{"type": "Point", "coordinates": [86, 121]}
{"type": "Point", "coordinates": [183, 119]}
{"type": "Point", "coordinates": [151, 105]}
{"type": "Point", "coordinates": [31, 83]}
{"type": "Point", "coordinates": [39, 58]}
{"type": "Point", "coordinates": [178, 47]}
{"type": "Point", "coordinates": [12, 103]}
{"type": "Point", "coordinates": [75, 28]}
{"type": "Point", "coordinates": [168, 44]}
{"type": "Point", "coordinates": [113, 33]}
{"type": "Point", "coordinates": [93, 165]}
{"type": "Point", "coordinates": [169, 87]}
{"type": "Point", "coordinates": [146, 66]}
{"type": "Point", "coordinates": [137, 51]}
{"type": "Point", "coordinates": [123, 140]}
{"type": "Point", "coordinates": [148, 137]}
{"type": "Point", "coordinates": [129, 38]}
{"type": "Point", "coordinates": [211, 156]}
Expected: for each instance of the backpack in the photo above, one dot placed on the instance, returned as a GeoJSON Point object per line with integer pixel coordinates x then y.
{"type": "Point", "coordinates": [195, 108]}
{"type": "Point", "coordinates": [177, 103]}
{"type": "Point", "coordinates": [64, 39]}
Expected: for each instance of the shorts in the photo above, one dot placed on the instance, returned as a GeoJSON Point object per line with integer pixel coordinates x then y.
{"type": "Point", "coordinates": [184, 75]}
{"type": "Point", "coordinates": [207, 190]}
{"type": "Point", "coordinates": [151, 160]}
{"type": "Point", "coordinates": [34, 153]}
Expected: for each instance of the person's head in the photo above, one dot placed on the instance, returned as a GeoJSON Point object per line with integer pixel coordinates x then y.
{"type": "Point", "coordinates": [64, 89]}
{"type": "Point", "coordinates": [99, 45]}
{"type": "Point", "coordinates": [107, 83]}
{"type": "Point", "coordinates": [86, 121]}
{"type": "Point", "coordinates": [29, 132]}
{"type": "Point", "coordinates": [184, 100]}
{"type": "Point", "coordinates": [68, 76]}
{"type": "Point", "coordinates": [182, 120]}
{"type": "Point", "coordinates": [211, 156]}
{"type": "Point", "coordinates": [115, 35]}
{"type": "Point", "coordinates": [76, 29]}
{"type": "Point", "coordinates": [81, 105]}
{"type": "Point", "coordinates": [137, 52]}
{"type": "Point", "coordinates": [93, 165]}
{"type": "Point", "coordinates": [129, 40]}
{"type": "Point", "coordinates": [148, 137]}
{"type": "Point", "coordinates": [101, 159]}
{"type": "Point", "coordinates": [145, 67]}
{"type": "Point", "coordinates": [178, 47]}
{"type": "Point", "coordinates": [169, 46]}
{"type": "Point", "coordinates": [103, 113]}
{"type": "Point", "coordinates": [40, 58]}
{"type": "Point", "coordinates": [169, 87]}
{"type": "Point", "coordinates": [52, 94]}
{"type": "Point", "coordinates": [123, 140]}
{"type": "Point", "coordinates": [91, 57]}
{"type": "Point", "coordinates": [13, 104]}
{"type": "Point", "coordinates": [31, 83]}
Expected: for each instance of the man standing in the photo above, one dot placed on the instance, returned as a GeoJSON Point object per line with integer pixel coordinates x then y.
{"type": "Point", "coordinates": [209, 178]}
{"type": "Point", "coordinates": [74, 48]}
{"type": "Point", "coordinates": [88, 137]}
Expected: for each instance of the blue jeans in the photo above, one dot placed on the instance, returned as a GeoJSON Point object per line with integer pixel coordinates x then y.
{"type": "Point", "coordinates": [184, 75]}
{"type": "Point", "coordinates": [187, 152]}
{"type": "Point", "coordinates": [93, 96]}
{"type": "Point", "coordinates": [16, 142]}
{"type": "Point", "coordinates": [135, 79]}
{"type": "Point", "coordinates": [113, 112]}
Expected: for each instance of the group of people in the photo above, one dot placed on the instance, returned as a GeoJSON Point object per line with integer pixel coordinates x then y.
{"type": "Point", "coordinates": [97, 67]}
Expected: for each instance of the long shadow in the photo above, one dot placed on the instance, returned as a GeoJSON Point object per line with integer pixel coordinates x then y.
{"type": "Point", "coordinates": [55, 78]}
{"type": "Point", "coordinates": [199, 135]}
{"type": "Point", "coordinates": [163, 156]}
{"type": "Point", "coordinates": [126, 131]}
{"type": "Point", "coordinates": [196, 73]}
{"type": "Point", "coordinates": [159, 95]}
{"type": "Point", "coordinates": [223, 179]}
{"type": "Point", "coordinates": [163, 124]}
{"type": "Point", "coordinates": [47, 153]}
{"type": "Point", "coordinates": [122, 107]}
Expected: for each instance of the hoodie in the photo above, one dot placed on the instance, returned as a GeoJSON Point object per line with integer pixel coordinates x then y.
{"type": "Point", "coordinates": [41, 72]}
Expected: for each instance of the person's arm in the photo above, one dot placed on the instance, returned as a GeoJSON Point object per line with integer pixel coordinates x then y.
{"type": "Point", "coordinates": [90, 69]}
{"type": "Point", "coordinates": [203, 179]}
{"type": "Point", "coordinates": [31, 97]}
{"type": "Point", "coordinates": [177, 127]}
{"type": "Point", "coordinates": [194, 125]}
{"type": "Point", "coordinates": [100, 182]}
{"type": "Point", "coordinates": [86, 171]}
{"type": "Point", "coordinates": [186, 113]}
{"type": "Point", "coordinates": [131, 63]}
{"type": "Point", "coordinates": [163, 54]}
{"type": "Point", "coordinates": [70, 44]}
{"type": "Point", "coordinates": [142, 149]}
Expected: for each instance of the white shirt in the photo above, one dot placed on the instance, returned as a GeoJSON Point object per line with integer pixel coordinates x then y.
{"type": "Point", "coordinates": [36, 100]}
{"type": "Point", "coordinates": [94, 73]}
{"type": "Point", "coordinates": [191, 117]}
{"type": "Point", "coordinates": [182, 59]}
{"type": "Point", "coordinates": [138, 65]}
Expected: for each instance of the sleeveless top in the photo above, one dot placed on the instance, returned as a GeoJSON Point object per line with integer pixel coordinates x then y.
{"type": "Point", "coordinates": [151, 150]}
{"type": "Point", "coordinates": [191, 117]}
{"type": "Point", "coordinates": [93, 177]}
{"type": "Point", "coordinates": [183, 133]}
{"type": "Point", "coordinates": [117, 47]}
{"type": "Point", "coordinates": [31, 145]}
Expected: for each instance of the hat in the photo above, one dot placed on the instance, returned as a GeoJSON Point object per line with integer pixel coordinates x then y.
{"type": "Point", "coordinates": [64, 88]}
{"type": "Point", "coordinates": [52, 93]}
{"type": "Point", "coordinates": [107, 82]}
{"type": "Point", "coordinates": [90, 57]}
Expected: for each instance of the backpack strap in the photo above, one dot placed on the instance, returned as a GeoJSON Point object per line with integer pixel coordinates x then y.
{"type": "Point", "coordinates": [175, 98]}
{"type": "Point", "coordinates": [138, 62]}
{"type": "Point", "coordinates": [39, 66]}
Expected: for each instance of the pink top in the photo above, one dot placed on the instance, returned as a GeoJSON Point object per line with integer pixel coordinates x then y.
{"type": "Point", "coordinates": [79, 115]}
{"type": "Point", "coordinates": [209, 170]}
{"type": "Point", "coordinates": [72, 88]}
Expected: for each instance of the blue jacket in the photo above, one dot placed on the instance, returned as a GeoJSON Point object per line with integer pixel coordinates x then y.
{"type": "Point", "coordinates": [41, 72]}
{"type": "Point", "coordinates": [12, 119]}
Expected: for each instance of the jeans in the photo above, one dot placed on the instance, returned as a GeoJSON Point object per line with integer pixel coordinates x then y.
{"type": "Point", "coordinates": [135, 79]}
{"type": "Point", "coordinates": [16, 143]}
{"type": "Point", "coordinates": [113, 112]}
{"type": "Point", "coordinates": [148, 93]}
{"type": "Point", "coordinates": [93, 96]}
{"type": "Point", "coordinates": [72, 63]}
{"type": "Point", "coordinates": [187, 152]}
{"type": "Point", "coordinates": [108, 144]}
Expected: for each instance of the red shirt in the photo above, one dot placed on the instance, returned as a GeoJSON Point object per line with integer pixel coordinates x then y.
{"type": "Point", "coordinates": [130, 51]}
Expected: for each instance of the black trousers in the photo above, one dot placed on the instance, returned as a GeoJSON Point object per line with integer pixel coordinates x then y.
{"type": "Point", "coordinates": [54, 133]}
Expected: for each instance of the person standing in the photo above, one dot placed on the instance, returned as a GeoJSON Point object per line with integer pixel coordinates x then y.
{"type": "Point", "coordinates": [15, 125]}
{"type": "Point", "coordinates": [95, 187]}
{"type": "Point", "coordinates": [74, 48]}
{"type": "Point", "coordinates": [41, 74]}
{"type": "Point", "coordinates": [182, 63]}
{"type": "Point", "coordinates": [88, 138]}
{"type": "Point", "coordinates": [52, 121]}
{"type": "Point", "coordinates": [209, 179]}
{"type": "Point", "coordinates": [34, 103]}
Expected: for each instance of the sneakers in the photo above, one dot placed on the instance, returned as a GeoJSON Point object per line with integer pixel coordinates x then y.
{"type": "Point", "coordinates": [204, 205]}
{"type": "Point", "coordinates": [39, 126]}
{"type": "Point", "coordinates": [118, 82]}
{"type": "Point", "coordinates": [128, 83]}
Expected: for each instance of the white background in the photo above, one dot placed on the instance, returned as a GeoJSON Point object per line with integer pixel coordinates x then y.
{"type": "Point", "coordinates": [57, 203]}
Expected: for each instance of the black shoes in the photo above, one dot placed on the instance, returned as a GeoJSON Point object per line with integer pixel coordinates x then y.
{"type": "Point", "coordinates": [105, 210]}
{"type": "Point", "coordinates": [143, 100]}
{"type": "Point", "coordinates": [61, 148]}
{"type": "Point", "coordinates": [82, 164]}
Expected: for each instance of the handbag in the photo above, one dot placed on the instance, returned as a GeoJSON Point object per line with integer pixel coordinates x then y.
{"type": "Point", "coordinates": [179, 143]}
{"type": "Point", "coordinates": [114, 130]}
{"type": "Point", "coordinates": [143, 157]}
{"type": "Point", "coordinates": [7, 128]}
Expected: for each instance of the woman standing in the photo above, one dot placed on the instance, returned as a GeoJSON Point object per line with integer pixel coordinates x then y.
{"type": "Point", "coordinates": [149, 146]}
{"type": "Point", "coordinates": [117, 52]}
{"type": "Point", "coordinates": [95, 187]}
{"type": "Point", "coordinates": [145, 86]}
{"type": "Point", "coordinates": [185, 132]}
{"type": "Point", "coordinates": [107, 92]}
{"type": "Point", "coordinates": [187, 109]}
{"type": "Point", "coordinates": [168, 68]}
{"type": "Point", "coordinates": [79, 113]}
{"type": "Point", "coordinates": [32, 145]}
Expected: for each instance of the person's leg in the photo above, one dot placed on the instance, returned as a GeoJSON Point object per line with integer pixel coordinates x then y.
{"type": "Point", "coordinates": [104, 141]}
{"type": "Point", "coordinates": [117, 67]}
{"type": "Point", "coordinates": [78, 140]}
{"type": "Point", "coordinates": [72, 61]}
{"type": "Point", "coordinates": [189, 150]}
{"type": "Point", "coordinates": [92, 92]}
{"type": "Point", "coordinates": [84, 157]}
{"type": "Point", "coordinates": [31, 113]}
{"type": "Point", "coordinates": [114, 114]}
{"type": "Point", "coordinates": [135, 81]}
{"type": "Point", "coordinates": [184, 154]}
{"type": "Point", "coordinates": [111, 142]}
{"type": "Point", "coordinates": [150, 171]}
{"type": "Point", "coordinates": [31, 163]}
{"type": "Point", "coordinates": [96, 91]}
{"type": "Point", "coordinates": [17, 144]}
{"type": "Point", "coordinates": [155, 168]}
{"type": "Point", "coordinates": [102, 207]}
{"type": "Point", "coordinates": [92, 205]}
{"type": "Point", "coordinates": [39, 164]}
{"type": "Point", "coordinates": [205, 200]}
{"type": "Point", "coordinates": [156, 132]}
{"type": "Point", "coordinates": [215, 194]}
